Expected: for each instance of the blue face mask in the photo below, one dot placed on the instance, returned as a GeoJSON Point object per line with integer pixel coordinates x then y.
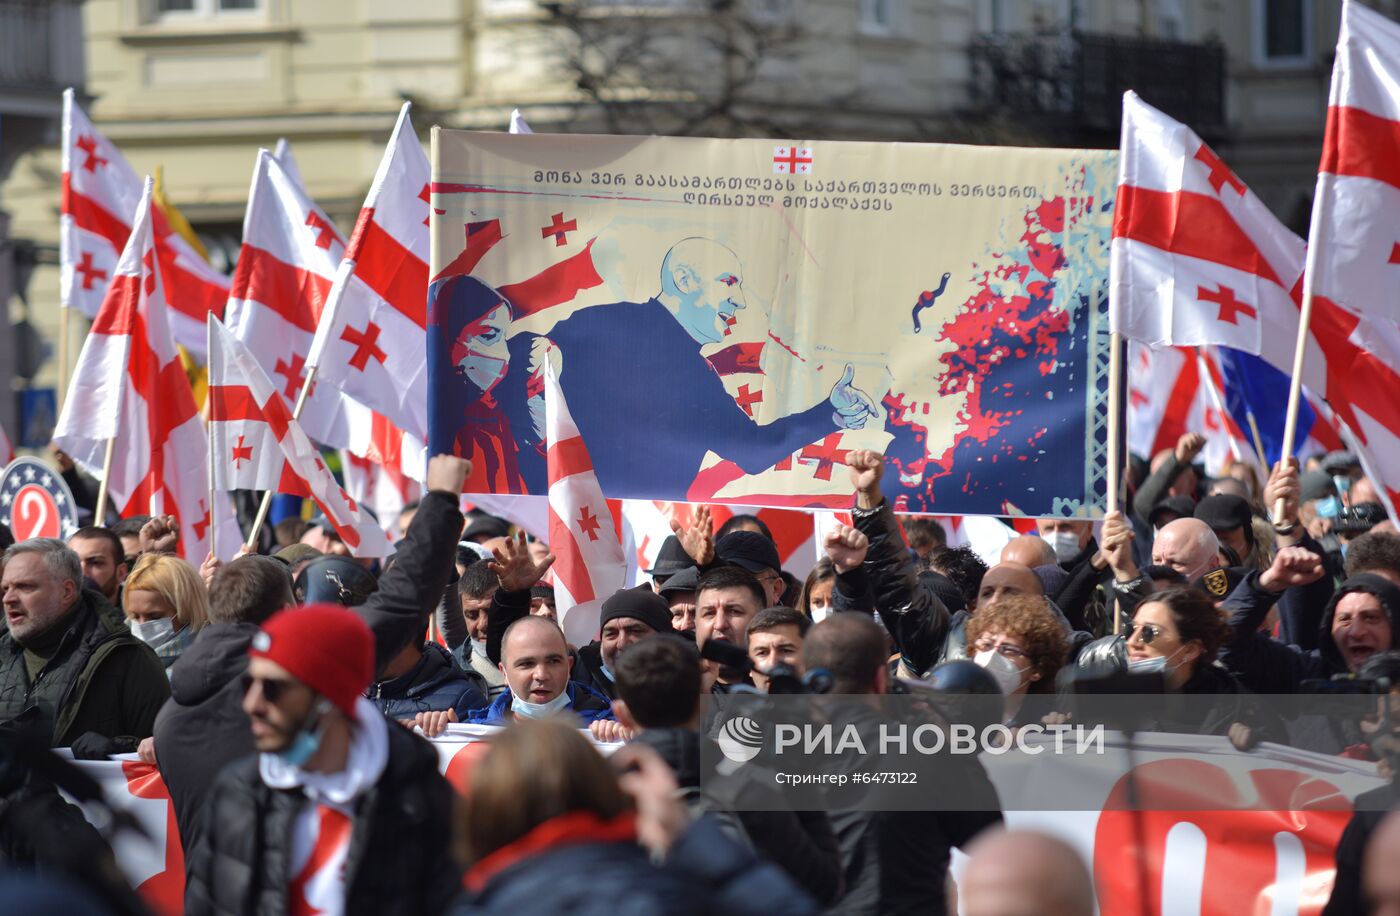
{"type": "Point", "coordinates": [607, 672]}
{"type": "Point", "coordinates": [308, 739]}
{"type": "Point", "coordinates": [1330, 507]}
{"type": "Point", "coordinates": [528, 710]}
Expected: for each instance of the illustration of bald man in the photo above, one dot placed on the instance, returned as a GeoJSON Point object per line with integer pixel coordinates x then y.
{"type": "Point", "coordinates": [649, 405]}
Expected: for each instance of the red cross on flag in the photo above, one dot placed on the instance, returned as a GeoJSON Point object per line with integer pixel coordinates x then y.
{"type": "Point", "coordinates": [286, 268]}
{"type": "Point", "coordinates": [372, 336]}
{"type": "Point", "coordinates": [129, 386]}
{"type": "Point", "coordinates": [100, 194]}
{"type": "Point", "coordinates": [792, 160]}
{"type": "Point", "coordinates": [1196, 257]}
{"type": "Point", "coordinates": [247, 411]}
{"type": "Point", "coordinates": [382, 487]}
{"type": "Point", "coordinates": [583, 536]}
{"type": "Point", "coordinates": [1356, 217]}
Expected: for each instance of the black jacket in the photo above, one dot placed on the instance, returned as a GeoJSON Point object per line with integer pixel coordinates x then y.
{"type": "Point", "coordinates": [203, 728]}
{"type": "Point", "coordinates": [887, 583]}
{"type": "Point", "coordinates": [434, 684]}
{"type": "Point", "coordinates": [101, 679]}
{"type": "Point", "coordinates": [705, 873]}
{"type": "Point", "coordinates": [1371, 808]}
{"type": "Point", "coordinates": [400, 856]}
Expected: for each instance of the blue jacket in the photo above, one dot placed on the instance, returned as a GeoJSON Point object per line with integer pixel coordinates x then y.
{"type": "Point", "coordinates": [589, 704]}
{"type": "Point", "coordinates": [434, 684]}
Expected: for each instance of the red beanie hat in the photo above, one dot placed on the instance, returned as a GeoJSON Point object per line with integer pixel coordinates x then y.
{"type": "Point", "coordinates": [325, 646]}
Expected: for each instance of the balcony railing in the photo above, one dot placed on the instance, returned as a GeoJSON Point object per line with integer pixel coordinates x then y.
{"type": "Point", "coordinates": [41, 45]}
{"type": "Point", "coordinates": [1072, 83]}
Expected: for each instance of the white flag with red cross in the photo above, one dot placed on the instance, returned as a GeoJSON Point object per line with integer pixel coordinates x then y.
{"type": "Point", "coordinates": [286, 267]}
{"type": "Point", "coordinates": [100, 194]}
{"type": "Point", "coordinates": [1196, 258]}
{"type": "Point", "coordinates": [381, 487]}
{"type": "Point", "coordinates": [583, 535]}
{"type": "Point", "coordinates": [130, 386]}
{"type": "Point", "coordinates": [793, 160]}
{"type": "Point", "coordinates": [1354, 263]}
{"type": "Point", "coordinates": [370, 341]}
{"type": "Point", "coordinates": [258, 446]}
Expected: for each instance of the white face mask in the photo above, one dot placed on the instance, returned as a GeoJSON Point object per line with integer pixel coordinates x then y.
{"type": "Point", "coordinates": [1065, 544]}
{"type": "Point", "coordinates": [479, 648]}
{"type": "Point", "coordinates": [528, 710]}
{"type": "Point", "coordinates": [1001, 668]}
{"type": "Point", "coordinates": [820, 613]}
{"type": "Point", "coordinates": [154, 633]}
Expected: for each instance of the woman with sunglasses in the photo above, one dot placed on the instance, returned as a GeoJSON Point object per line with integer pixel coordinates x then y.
{"type": "Point", "coordinates": [1022, 644]}
{"type": "Point", "coordinates": [1177, 633]}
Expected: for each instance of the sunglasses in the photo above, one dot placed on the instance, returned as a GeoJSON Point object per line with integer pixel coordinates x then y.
{"type": "Point", "coordinates": [273, 690]}
{"type": "Point", "coordinates": [1146, 633]}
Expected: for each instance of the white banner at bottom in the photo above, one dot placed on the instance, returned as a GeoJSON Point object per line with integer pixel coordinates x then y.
{"type": "Point", "coordinates": [1262, 840]}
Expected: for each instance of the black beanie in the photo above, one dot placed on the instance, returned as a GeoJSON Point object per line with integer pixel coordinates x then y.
{"type": "Point", "coordinates": [640, 603]}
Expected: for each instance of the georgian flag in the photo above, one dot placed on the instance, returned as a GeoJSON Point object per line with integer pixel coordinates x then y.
{"type": "Point", "coordinates": [1176, 390]}
{"type": "Point", "coordinates": [582, 533]}
{"type": "Point", "coordinates": [100, 193]}
{"type": "Point", "coordinates": [286, 267]}
{"type": "Point", "coordinates": [381, 487]}
{"type": "Point", "coordinates": [130, 386]}
{"type": "Point", "coordinates": [372, 336]}
{"type": "Point", "coordinates": [1196, 258]}
{"type": "Point", "coordinates": [258, 446]}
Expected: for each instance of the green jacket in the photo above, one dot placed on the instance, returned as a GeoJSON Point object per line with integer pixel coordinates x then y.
{"type": "Point", "coordinates": [102, 679]}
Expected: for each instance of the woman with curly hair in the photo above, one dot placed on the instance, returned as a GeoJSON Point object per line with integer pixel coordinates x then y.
{"type": "Point", "coordinates": [1022, 644]}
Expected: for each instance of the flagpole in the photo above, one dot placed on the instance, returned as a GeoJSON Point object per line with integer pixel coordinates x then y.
{"type": "Point", "coordinates": [65, 327]}
{"type": "Point", "coordinates": [100, 514]}
{"type": "Point", "coordinates": [266, 505]}
{"type": "Point", "coordinates": [1258, 440]}
{"type": "Point", "coordinates": [1322, 203]}
{"type": "Point", "coordinates": [209, 441]}
{"type": "Point", "coordinates": [1115, 375]}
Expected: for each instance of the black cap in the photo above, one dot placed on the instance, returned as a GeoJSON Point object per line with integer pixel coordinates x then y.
{"type": "Point", "coordinates": [671, 558]}
{"type": "Point", "coordinates": [484, 527]}
{"type": "Point", "coordinates": [1340, 463]}
{"type": "Point", "coordinates": [1180, 506]}
{"type": "Point", "coordinates": [750, 550]}
{"type": "Point", "coordinates": [640, 603]}
{"type": "Point", "coordinates": [684, 581]}
{"type": "Point", "coordinates": [1220, 582]}
{"type": "Point", "coordinates": [1222, 512]}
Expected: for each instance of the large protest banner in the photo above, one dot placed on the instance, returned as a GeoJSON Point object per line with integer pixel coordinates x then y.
{"type": "Point", "coordinates": [730, 317]}
{"type": "Point", "coordinates": [1264, 844]}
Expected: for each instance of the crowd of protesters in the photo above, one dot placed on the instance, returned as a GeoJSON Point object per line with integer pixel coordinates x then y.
{"type": "Point", "coordinates": [285, 697]}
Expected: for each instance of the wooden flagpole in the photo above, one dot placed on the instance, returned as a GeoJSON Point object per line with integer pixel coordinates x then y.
{"type": "Point", "coordinates": [209, 441]}
{"type": "Point", "coordinates": [1321, 205]}
{"type": "Point", "coordinates": [100, 516]}
{"type": "Point", "coordinates": [65, 329]}
{"type": "Point", "coordinates": [1115, 459]}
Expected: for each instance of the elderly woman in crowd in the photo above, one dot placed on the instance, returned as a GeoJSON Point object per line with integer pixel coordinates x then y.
{"type": "Point", "coordinates": [1022, 644]}
{"type": "Point", "coordinates": [165, 604]}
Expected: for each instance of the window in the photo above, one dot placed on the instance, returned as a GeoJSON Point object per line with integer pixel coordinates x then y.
{"type": "Point", "coordinates": [1282, 32]}
{"type": "Point", "coordinates": [203, 9]}
{"type": "Point", "coordinates": [1171, 20]}
{"type": "Point", "coordinates": [877, 17]}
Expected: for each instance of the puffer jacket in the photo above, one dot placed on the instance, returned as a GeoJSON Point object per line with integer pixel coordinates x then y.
{"type": "Point", "coordinates": [588, 704]}
{"type": "Point", "coordinates": [886, 582]}
{"type": "Point", "coordinates": [203, 728]}
{"type": "Point", "coordinates": [400, 856]}
{"type": "Point", "coordinates": [100, 679]}
{"type": "Point", "coordinates": [434, 684]}
{"type": "Point", "coordinates": [575, 865]}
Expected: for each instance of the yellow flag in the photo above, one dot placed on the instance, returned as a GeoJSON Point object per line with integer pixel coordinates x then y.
{"type": "Point", "coordinates": [199, 376]}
